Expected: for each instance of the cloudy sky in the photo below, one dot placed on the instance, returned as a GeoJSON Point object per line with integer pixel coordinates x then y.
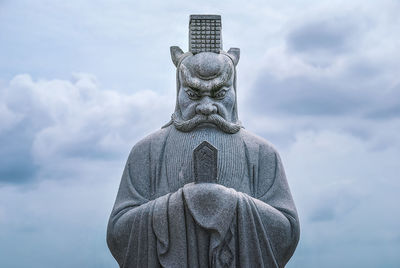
{"type": "Point", "coordinates": [82, 81]}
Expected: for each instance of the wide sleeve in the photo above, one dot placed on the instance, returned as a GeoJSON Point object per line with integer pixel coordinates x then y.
{"type": "Point", "coordinates": [132, 207]}
{"type": "Point", "coordinates": [275, 206]}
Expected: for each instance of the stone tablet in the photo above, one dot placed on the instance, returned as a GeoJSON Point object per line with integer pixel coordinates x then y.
{"type": "Point", "coordinates": [205, 163]}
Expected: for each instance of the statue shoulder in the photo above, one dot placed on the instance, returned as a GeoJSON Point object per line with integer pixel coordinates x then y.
{"type": "Point", "coordinates": [144, 146]}
{"type": "Point", "coordinates": [255, 142]}
{"type": "Point", "coordinates": [265, 160]}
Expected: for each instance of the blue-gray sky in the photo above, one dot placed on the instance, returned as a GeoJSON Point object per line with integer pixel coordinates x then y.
{"type": "Point", "coordinates": [82, 81]}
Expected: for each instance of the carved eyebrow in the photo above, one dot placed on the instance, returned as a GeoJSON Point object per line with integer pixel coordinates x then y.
{"type": "Point", "coordinates": [214, 86]}
{"type": "Point", "coordinates": [193, 89]}
{"type": "Point", "coordinates": [218, 86]}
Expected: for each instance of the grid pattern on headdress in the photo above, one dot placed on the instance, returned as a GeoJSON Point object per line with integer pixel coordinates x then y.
{"type": "Point", "coordinates": [205, 33]}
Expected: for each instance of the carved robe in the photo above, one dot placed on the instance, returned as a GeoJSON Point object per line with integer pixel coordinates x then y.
{"type": "Point", "coordinates": [158, 222]}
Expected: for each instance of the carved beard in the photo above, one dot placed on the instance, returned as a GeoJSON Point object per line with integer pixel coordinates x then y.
{"type": "Point", "coordinates": [189, 125]}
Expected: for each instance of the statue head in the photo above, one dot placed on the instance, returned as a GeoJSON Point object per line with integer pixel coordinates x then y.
{"type": "Point", "coordinates": [206, 89]}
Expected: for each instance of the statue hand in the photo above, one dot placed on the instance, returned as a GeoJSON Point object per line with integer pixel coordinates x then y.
{"type": "Point", "coordinates": [209, 196]}
{"type": "Point", "coordinates": [212, 205]}
{"type": "Point", "coordinates": [207, 189]}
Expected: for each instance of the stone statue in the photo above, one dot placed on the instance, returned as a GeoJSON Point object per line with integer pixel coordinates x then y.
{"type": "Point", "coordinates": [202, 191]}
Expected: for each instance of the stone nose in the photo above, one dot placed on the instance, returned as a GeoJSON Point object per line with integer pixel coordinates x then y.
{"type": "Point", "coordinates": [206, 107]}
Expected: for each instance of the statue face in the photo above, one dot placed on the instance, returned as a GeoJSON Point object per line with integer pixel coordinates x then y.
{"type": "Point", "coordinates": [206, 89]}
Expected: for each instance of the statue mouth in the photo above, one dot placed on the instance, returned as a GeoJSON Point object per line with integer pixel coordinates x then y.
{"type": "Point", "coordinates": [203, 121]}
{"type": "Point", "coordinates": [206, 125]}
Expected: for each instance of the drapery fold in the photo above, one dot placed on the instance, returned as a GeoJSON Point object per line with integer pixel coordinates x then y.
{"type": "Point", "coordinates": [165, 232]}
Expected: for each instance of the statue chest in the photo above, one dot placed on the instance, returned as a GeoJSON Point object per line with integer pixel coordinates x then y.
{"type": "Point", "coordinates": [178, 158]}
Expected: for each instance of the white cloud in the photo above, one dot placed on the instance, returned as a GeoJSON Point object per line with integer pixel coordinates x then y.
{"type": "Point", "coordinates": [7, 117]}
{"type": "Point", "coordinates": [78, 137]}
{"type": "Point", "coordinates": [75, 119]}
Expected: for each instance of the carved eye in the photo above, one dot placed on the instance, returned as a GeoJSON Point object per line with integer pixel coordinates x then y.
{"type": "Point", "coordinates": [193, 95]}
{"type": "Point", "coordinates": [220, 94]}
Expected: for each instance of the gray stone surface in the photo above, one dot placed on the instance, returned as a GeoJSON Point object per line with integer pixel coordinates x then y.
{"type": "Point", "coordinates": [244, 218]}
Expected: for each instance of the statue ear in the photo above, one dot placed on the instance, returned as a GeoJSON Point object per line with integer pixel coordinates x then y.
{"type": "Point", "coordinates": [176, 54]}
{"type": "Point", "coordinates": [234, 54]}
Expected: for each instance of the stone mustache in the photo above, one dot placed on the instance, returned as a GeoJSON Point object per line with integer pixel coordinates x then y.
{"type": "Point", "coordinates": [241, 214]}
